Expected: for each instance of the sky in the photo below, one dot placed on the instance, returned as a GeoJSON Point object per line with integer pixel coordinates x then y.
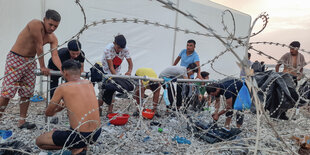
{"type": "Point", "coordinates": [288, 21]}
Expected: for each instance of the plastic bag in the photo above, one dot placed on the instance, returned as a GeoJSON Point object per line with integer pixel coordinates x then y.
{"type": "Point", "coordinates": [243, 100]}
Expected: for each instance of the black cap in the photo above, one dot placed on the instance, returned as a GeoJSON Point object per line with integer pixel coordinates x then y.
{"type": "Point", "coordinates": [120, 40]}
{"type": "Point", "coordinates": [74, 45]}
{"type": "Point", "coordinates": [295, 44]}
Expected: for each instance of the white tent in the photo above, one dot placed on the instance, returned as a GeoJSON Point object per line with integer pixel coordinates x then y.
{"type": "Point", "coordinates": [150, 45]}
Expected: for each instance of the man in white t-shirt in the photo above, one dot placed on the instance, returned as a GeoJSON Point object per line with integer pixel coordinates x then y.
{"type": "Point", "coordinates": [113, 56]}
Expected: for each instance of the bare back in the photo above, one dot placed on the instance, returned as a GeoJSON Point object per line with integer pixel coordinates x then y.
{"type": "Point", "coordinates": [80, 99]}
{"type": "Point", "coordinates": [32, 37]}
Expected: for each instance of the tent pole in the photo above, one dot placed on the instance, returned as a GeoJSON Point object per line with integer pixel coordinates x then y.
{"type": "Point", "coordinates": [41, 77]}
{"type": "Point", "coordinates": [175, 32]}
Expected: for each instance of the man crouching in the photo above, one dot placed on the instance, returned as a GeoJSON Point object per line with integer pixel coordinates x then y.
{"type": "Point", "coordinates": [80, 100]}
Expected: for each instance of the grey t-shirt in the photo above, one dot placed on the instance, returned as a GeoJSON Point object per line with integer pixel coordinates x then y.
{"type": "Point", "coordinates": [174, 71]}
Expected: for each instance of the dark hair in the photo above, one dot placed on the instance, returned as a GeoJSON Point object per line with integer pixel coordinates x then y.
{"type": "Point", "coordinates": [71, 65]}
{"type": "Point", "coordinates": [193, 67]}
{"type": "Point", "coordinates": [204, 74]}
{"type": "Point", "coordinates": [249, 55]}
{"type": "Point", "coordinates": [191, 41]}
{"type": "Point", "coordinates": [120, 40]}
{"type": "Point", "coordinates": [52, 14]}
{"type": "Point", "coordinates": [210, 88]}
{"type": "Point", "coordinates": [74, 45]}
{"type": "Point", "coordinates": [295, 44]}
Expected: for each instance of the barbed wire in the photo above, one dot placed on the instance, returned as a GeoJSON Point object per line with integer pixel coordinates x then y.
{"type": "Point", "coordinates": [141, 124]}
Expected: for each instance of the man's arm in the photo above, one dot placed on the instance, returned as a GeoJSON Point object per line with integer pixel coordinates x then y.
{"type": "Point", "coordinates": [82, 67]}
{"type": "Point", "coordinates": [54, 53]}
{"type": "Point", "coordinates": [217, 114]}
{"type": "Point", "coordinates": [111, 67]}
{"type": "Point", "coordinates": [35, 28]}
{"type": "Point", "coordinates": [228, 106]}
{"type": "Point", "coordinates": [130, 66]}
{"type": "Point", "coordinates": [55, 105]}
{"type": "Point", "coordinates": [277, 67]}
{"type": "Point", "coordinates": [217, 105]}
{"type": "Point", "coordinates": [198, 73]}
{"type": "Point", "coordinates": [176, 61]}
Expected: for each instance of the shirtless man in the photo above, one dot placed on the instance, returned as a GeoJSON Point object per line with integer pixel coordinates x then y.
{"type": "Point", "coordinates": [20, 63]}
{"type": "Point", "coordinates": [293, 62]}
{"type": "Point", "coordinates": [80, 100]}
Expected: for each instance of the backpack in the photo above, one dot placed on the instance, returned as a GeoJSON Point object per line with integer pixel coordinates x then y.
{"type": "Point", "coordinates": [96, 76]}
{"type": "Point", "coordinates": [257, 67]}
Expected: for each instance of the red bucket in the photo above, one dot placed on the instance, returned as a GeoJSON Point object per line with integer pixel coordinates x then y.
{"type": "Point", "coordinates": [148, 113]}
{"type": "Point", "coordinates": [121, 119]}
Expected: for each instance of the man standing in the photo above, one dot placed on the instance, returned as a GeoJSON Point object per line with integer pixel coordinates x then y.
{"type": "Point", "coordinates": [73, 51]}
{"type": "Point", "coordinates": [20, 63]}
{"type": "Point", "coordinates": [249, 63]}
{"type": "Point", "coordinates": [79, 99]}
{"type": "Point", "coordinates": [113, 56]}
{"type": "Point", "coordinates": [293, 62]}
{"type": "Point", "coordinates": [188, 56]}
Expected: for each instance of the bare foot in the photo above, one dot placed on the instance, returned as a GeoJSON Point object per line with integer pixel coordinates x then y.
{"type": "Point", "coordinates": [78, 151]}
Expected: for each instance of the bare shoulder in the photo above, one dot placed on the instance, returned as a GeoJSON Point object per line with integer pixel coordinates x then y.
{"type": "Point", "coordinates": [87, 82]}
{"type": "Point", "coordinates": [35, 23]}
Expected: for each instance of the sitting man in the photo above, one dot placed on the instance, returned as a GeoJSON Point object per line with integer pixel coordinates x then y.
{"type": "Point", "coordinates": [229, 89]}
{"type": "Point", "coordinates": [200, 93]}
{"type": "Point", "coordinates": [80, 100]}
{"type": "Point", "coordinates": [181, 73]}
{"type": "Point", "coordinates": [154, 86]}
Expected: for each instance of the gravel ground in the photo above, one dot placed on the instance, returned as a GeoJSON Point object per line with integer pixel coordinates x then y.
{"type": "Point", "coordinates": [139, 137]}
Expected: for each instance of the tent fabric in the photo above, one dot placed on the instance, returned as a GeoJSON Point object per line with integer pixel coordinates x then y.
{"type": "Point", "coordinates": [148, 44]}
{"type": "Point", "coordinates": [304, 91]}
{"type": "Point", "coordinates": [280, 91]}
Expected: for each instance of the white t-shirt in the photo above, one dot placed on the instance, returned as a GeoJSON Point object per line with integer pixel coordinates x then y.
{"type": "Point", "coordinates": [117, 58]}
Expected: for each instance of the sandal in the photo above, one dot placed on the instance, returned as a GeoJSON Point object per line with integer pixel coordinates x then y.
{"type": "Point", "coordinates": [27, 125]}
{"type": "Point", "coordinates": [136, 113]}
{"type": "Point", "coordinates": [157, 114]}
{"type": "Point", "coordinates": [36, 98]}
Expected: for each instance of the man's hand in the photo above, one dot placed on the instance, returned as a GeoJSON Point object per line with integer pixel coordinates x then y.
{"type": "Point", "coordinates": [215, 116]}
{"type": "Point", "coordinates": [45, 71]}
{"type": "Point", "coordinates": [128, 73]}
{"type": "Point", "coordinates": [199, 77]}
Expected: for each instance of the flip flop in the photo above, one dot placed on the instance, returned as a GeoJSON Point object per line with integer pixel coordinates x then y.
{"type": "Point", "coordinates": [27, 125]}
{"type": "Point", "coordinates": [36, 98]}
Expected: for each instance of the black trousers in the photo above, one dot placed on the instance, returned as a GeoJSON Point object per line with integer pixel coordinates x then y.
{"type": "Point", "coordinates": [171, 93]}
{"type": "Point", "coordinates": [53, 84]}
